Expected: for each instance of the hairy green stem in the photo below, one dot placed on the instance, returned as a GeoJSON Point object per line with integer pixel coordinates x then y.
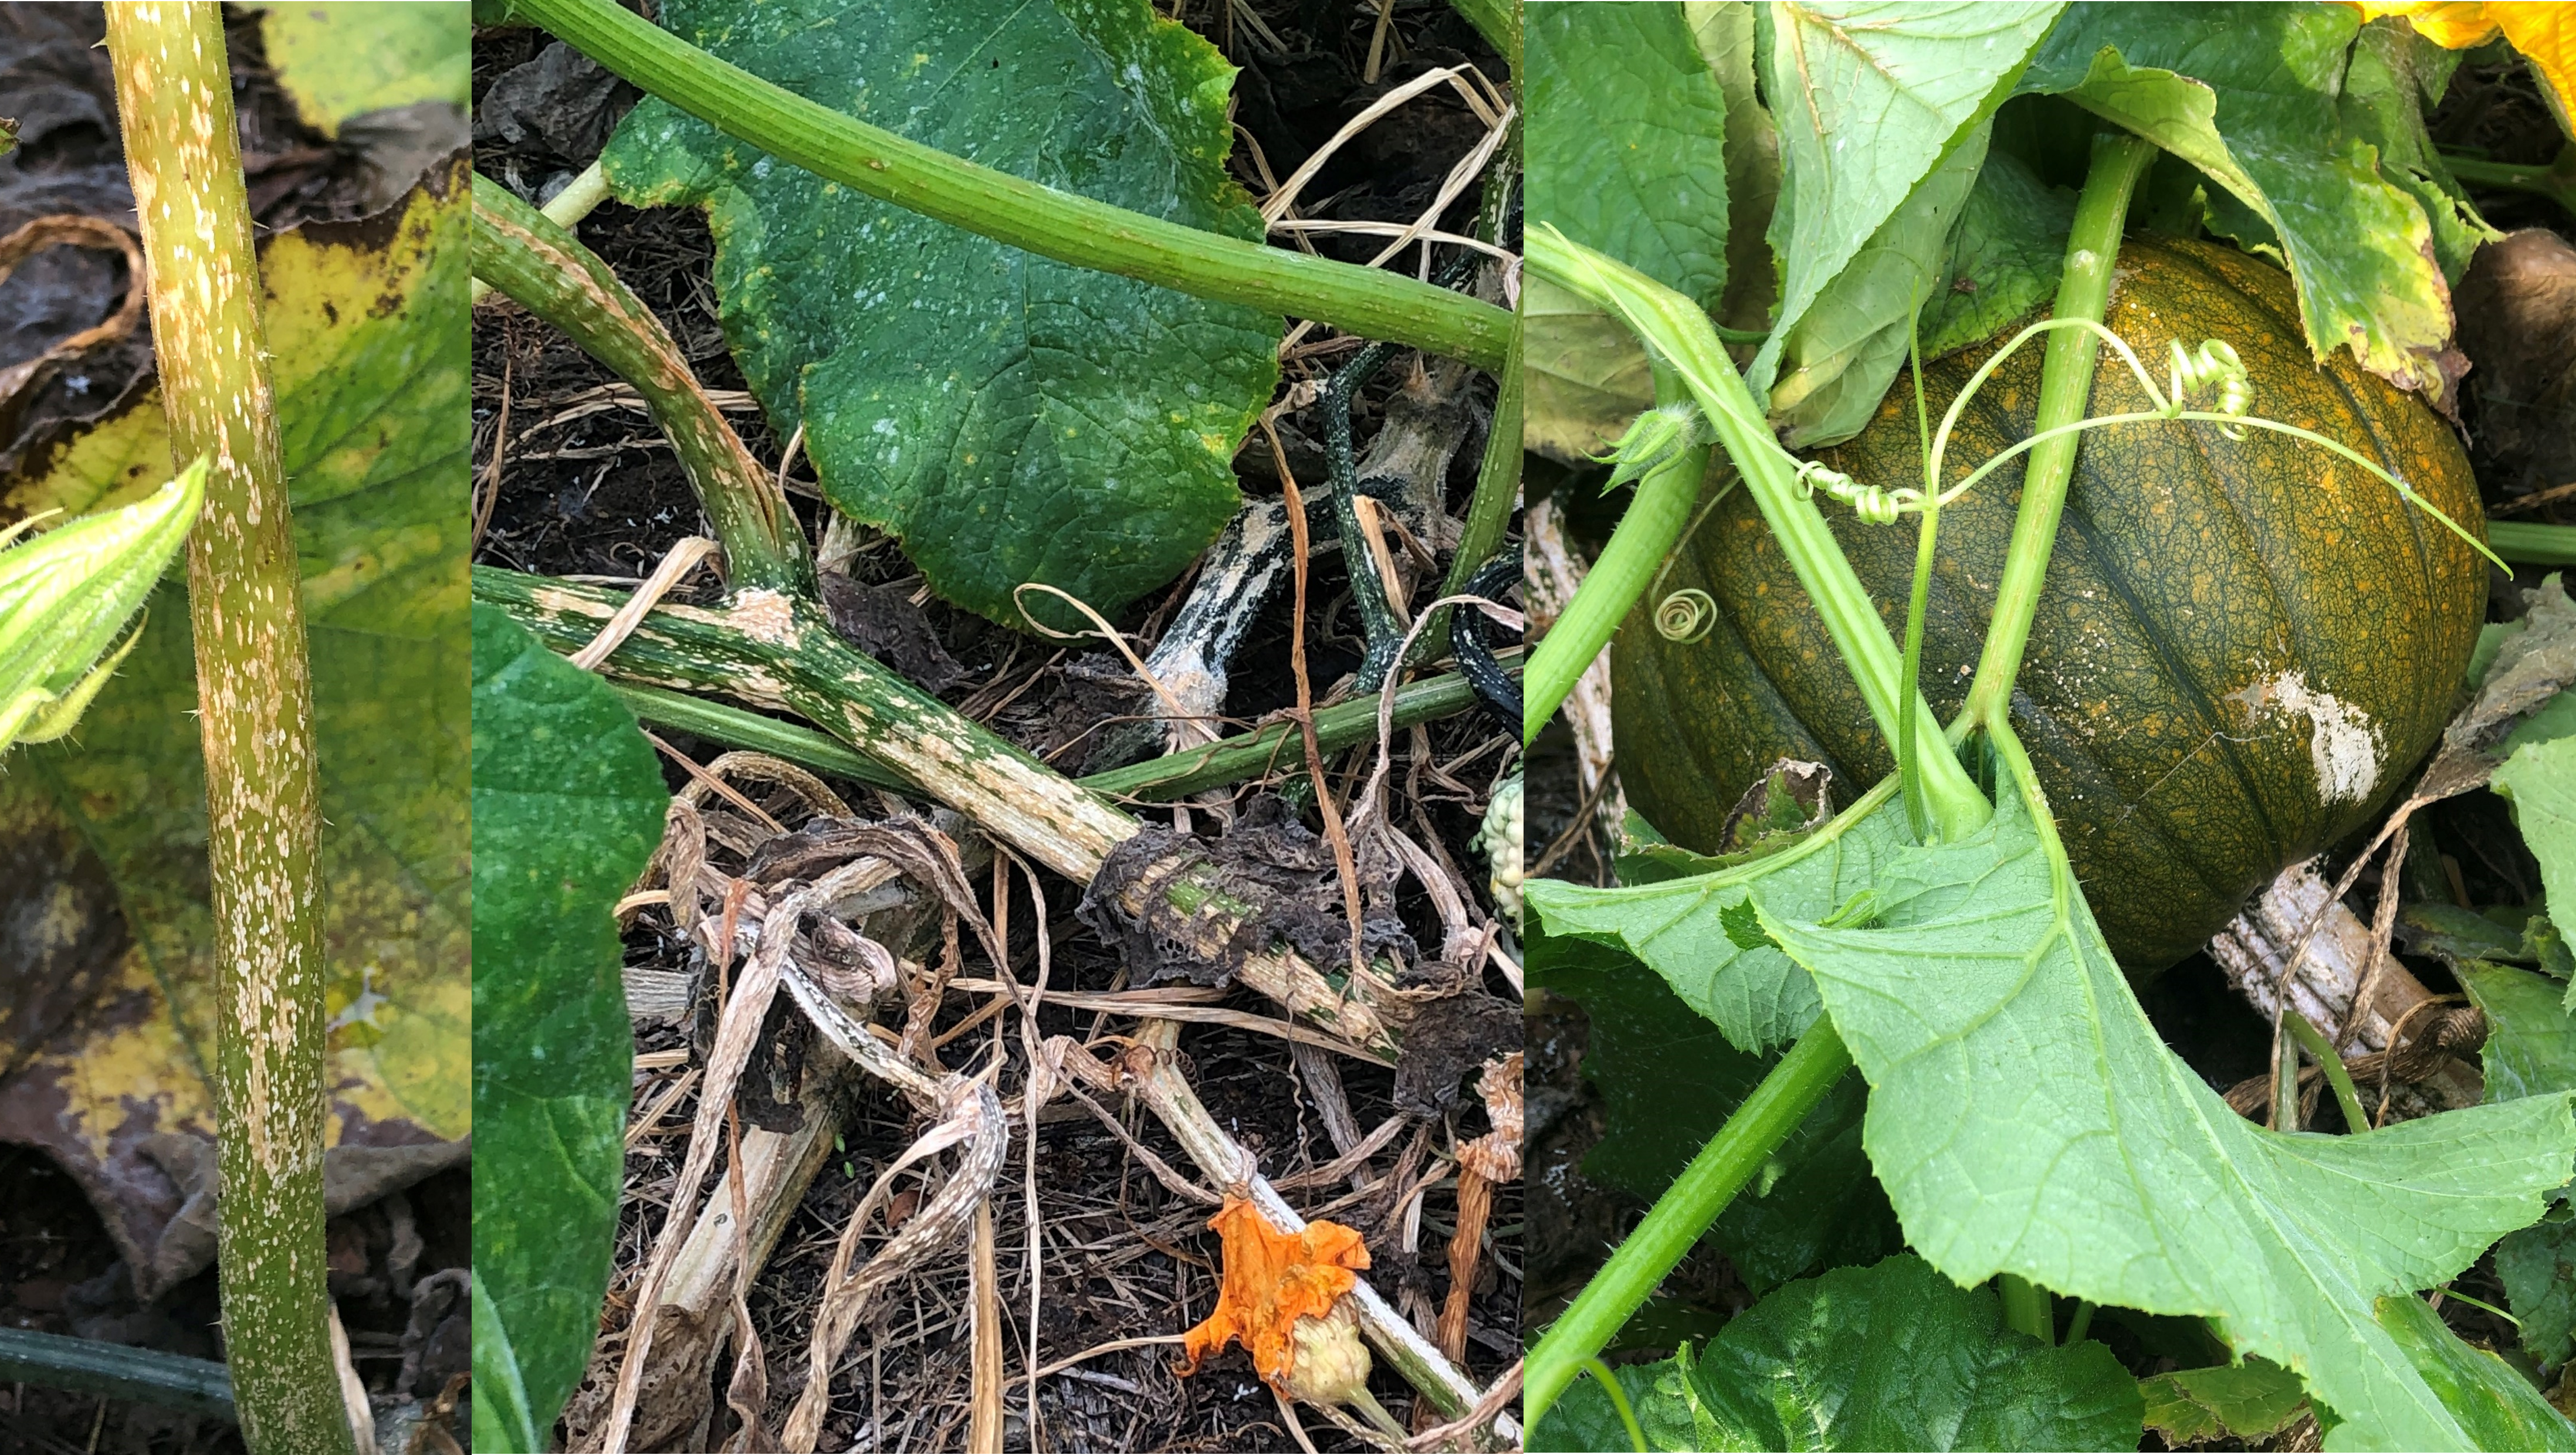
{"type": "Point", "coordinates": [2526, 544]}
{"type": "Point", "coordinates": [1060, 225]}
{"type": "Point", "coordinates": [2066, 386]}
{"type": "Point", "coordinates": [255, 721]}
{"type": "Point", "coordinates": [2555, 181]}
{"type": "Point", "coordinates": [1681, 336]}
{"type": "Point", "coordinates": [1918, 605]}
{"type": "Point", "coordinates": [1677, 1219]}
{"type": "Point", "coordinates": [547, 271]}
{"type": "Point", "coordinates": [2330, 1062]}
{"type": "Point", "coordinates": [1174, 775]}
{"type": "Point", "coordinates": [1499, 22]}
{"type": "Point", "coordinates": [1656, 517]}
{"type": "Point", "coordinates": [2080, 1325]}
{"type": "Point", "coordinates": [1618, 1401]}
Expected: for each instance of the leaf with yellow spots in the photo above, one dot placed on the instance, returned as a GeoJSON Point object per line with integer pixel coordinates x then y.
{"type": "Point", "coordinates": [1009, 418]}
{"type": "Point", "coordinates": [2544, 34]}
{"type": "Point", "coordinates": [367, 323]}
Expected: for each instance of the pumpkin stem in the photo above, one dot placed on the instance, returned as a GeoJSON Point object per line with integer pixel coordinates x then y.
{"type": "Point", "coordinates": [2066, 385]}
{"type": "Point", "coordinates": [1684, 342]}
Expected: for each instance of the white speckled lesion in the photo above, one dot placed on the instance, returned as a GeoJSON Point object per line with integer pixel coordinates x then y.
{"type": "Point", "coordinates": [2343, 743]}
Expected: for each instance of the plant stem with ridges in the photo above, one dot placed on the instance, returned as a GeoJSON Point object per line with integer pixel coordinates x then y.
{"type": "Point", "coordinates": [1157, 780]}
{"type": "Point", "coordinates": [255, 720]}
{"type": "Point", "coordinates": [776, 651]}
{"type": "Point", "coordinates": [547, 271]}
{"type": "Point", "coordinates": [1786, 1094]}
{"type": "Point", "coordinates": [1064, 226]}
{"type": "Point", "coordinates": [2065, 388]}
{"type": "Point", "coordinates": [1657, 515]}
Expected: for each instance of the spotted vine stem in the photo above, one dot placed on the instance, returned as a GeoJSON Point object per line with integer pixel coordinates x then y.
{"type": "Point", "coordinates": [546, 270]}
{"type": "Point", "coordinates": [255, 721]}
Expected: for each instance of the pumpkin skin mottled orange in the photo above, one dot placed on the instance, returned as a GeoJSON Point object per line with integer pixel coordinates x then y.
{"type": "Point", "coordinates": [2242, 650]}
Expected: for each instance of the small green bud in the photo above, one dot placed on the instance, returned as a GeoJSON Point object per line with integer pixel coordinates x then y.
{"type": "Point", "coordinates": [1652, 438]}
{"type": "Point", "coordinates": [66, 597]}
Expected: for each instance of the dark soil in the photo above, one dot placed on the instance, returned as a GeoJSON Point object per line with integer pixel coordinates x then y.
{"type": "Point", "coordinates": [1121, 1256]}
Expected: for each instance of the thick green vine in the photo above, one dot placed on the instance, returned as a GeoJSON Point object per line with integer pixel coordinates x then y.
{"type": "Point", "coordinates": [1061, 225]}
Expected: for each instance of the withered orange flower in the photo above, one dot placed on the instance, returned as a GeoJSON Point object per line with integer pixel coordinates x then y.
{"type": "Point", "coordinates": [2545, 34]}
{"type": "Point", "coordinates": [1272, 1279]}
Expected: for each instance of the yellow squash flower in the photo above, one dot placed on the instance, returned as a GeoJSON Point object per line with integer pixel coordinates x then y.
{"type": "Point", "coordinates": [2543, 30]}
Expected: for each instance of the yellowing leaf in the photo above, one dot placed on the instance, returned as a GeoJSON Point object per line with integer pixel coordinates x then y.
{"type": "Point", "coordinates": [1272, 1279]}
{"type": "Point", "coordinates": [2544, 33]}
{"type": "Point", "coordinates": [344, 60]}
{"type": "Point", "coordinates": [367, 325]}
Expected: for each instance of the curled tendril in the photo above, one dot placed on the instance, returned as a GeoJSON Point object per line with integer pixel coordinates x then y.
{"type": "Point", "coordinates": [1686, 615]}
{"type": "Point", "coordinates": [1872, 503]}
{"type": "Point", "coordinates": [2215, 365]}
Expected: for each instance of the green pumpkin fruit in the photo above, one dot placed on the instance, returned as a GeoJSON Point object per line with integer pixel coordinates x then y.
{"type": "Point", "coordinates": [2242, 650]}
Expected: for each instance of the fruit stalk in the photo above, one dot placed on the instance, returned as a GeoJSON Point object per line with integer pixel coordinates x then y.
{"type": "Point", "coordinates": [2066, 387]}
{"type": "Point", "coordinates": [255, 720]}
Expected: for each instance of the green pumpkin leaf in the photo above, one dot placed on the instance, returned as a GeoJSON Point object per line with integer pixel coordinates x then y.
{"type": "Point", "coordinates": [568, 804]}
{"type": "Point", "coordinates": [2025, 1117]}
{"type": "Point", "coordinates": [1882, 111]}
{"type": "Point", "coordinates": [1889, 1357]}
{"type": "Point", "coordinates": [2531, 1035]}
{"type": "Point", "coordinates": [2248, 95]}
{"type": "Point", "coordinates": [1757, 997]}
{"type": "Point", "coordinates": [1604, 66]}
{"type": "Point", "coordinates": [2248, 1401]}
{"type": "Point", "coordinates": [367, 329]}
{"type": "Point", "coordinates": [347, 59]}
{"type": "Point", "coordinates": [1668, 1080]}
{"type": "Point", "coordinates": [1585, 376]}
{"type": "Point", "coordinates": [1725, 33]}
{"type": "Point", "coordinates": [2540, 779]}
{"type": "Point", "coordinates": [2496, 1407]}
{"type": "Point", "coordinates": [2394, 75]}
{"type": "Point", "coordinates": [2005, 256]}
{"type": "Point", "coordinates": [1626, 153]}
{"type": "Point", "coordinates": [1010, 418]}
{"type": "Point", "coordinates": [2538, 1267]}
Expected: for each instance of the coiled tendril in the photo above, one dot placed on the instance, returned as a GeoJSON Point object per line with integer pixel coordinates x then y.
{"type": "Point", "coordinates": [1872, 503]}
{"type": "Point", "coordinates": [2216, 364]}
{"type": "Point", "coordinates": [1686, 616]}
